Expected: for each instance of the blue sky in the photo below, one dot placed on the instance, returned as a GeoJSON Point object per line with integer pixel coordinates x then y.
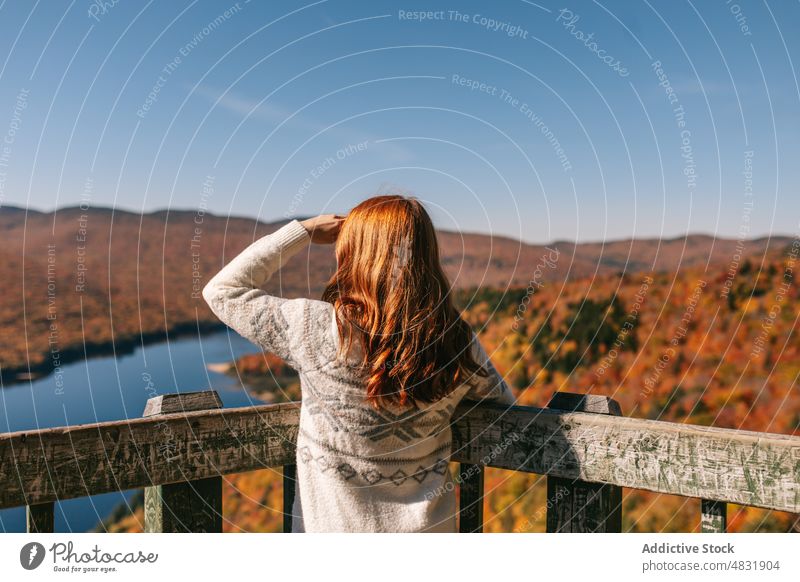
{"type": "Point", "coordinates": [504, 117]}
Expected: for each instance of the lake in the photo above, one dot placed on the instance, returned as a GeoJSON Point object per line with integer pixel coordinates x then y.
{"type": "Point", "coordinates": [109, 388]}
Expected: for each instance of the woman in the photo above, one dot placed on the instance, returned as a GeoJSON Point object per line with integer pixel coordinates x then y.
{"type": "Point", "coordinates": [384, 358]}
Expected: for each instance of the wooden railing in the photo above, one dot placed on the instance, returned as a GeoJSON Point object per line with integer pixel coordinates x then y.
{"type": "Point", "coordinates": [184, 443]}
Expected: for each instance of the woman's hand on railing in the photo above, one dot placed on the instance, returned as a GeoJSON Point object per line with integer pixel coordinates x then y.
{"type": "Point", "coordinates": [324, 228]}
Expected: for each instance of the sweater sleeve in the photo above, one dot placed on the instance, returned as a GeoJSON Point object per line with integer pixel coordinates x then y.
{"type": "Point", "coordinates": [491, 388]}
{"type": "Point", "coordinates": [235, 296]}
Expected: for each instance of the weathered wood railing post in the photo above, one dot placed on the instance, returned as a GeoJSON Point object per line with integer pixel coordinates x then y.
{"type": "Point", "coordinates": [470, 498]}
{"type": "Point", "coordinates": [289, 478]}
{"type": "Point", "coordinates": [713, 516]}
{"type": "Point", "coordinates": [40, 518]}
{"type": "Point", "coordinates": [574, 505]}
{"type": "Point", "coordinates": [192, 506]}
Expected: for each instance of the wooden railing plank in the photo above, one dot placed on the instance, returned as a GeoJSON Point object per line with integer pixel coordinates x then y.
{"type": "Point", "coordinates": [742, 467]}
{"type": "Point", "coordinates": [80, 460]}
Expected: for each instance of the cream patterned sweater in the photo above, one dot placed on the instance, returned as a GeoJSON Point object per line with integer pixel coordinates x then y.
{"type": "Point", "coordinates": [358, 469]}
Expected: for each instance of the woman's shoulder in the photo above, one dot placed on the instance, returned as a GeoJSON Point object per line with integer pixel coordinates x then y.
{"type": "Point", "coordinates": [312, 326]}
{"type": "Point", "coordinates": [320, 318]}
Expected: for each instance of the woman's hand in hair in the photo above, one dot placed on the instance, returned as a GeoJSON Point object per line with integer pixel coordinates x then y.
{"type": "Point", "coordinates": [324, 228]}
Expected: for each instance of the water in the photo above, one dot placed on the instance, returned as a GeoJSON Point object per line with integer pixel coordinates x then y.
{"type": "Point", "coordinates": [109, 388]}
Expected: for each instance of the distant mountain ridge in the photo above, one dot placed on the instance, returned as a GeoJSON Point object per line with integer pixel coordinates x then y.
{"type": "Point", "coordinates": [134, 275]}
{"type": "Point", "coordinates": [586, 258]}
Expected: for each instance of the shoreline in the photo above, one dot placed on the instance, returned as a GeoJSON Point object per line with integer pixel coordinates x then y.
{"type": "Point", "coordinates": [123, 345]}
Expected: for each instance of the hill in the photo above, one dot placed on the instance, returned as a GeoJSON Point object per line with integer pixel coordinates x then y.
{"type": "Point", "coordinates": [691, 347]}
{"type": "Point", "coordinates": [75, 281]}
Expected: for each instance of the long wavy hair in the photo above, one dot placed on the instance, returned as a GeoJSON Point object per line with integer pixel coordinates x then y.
{"type": "Point", "coordinates": [390, 293]}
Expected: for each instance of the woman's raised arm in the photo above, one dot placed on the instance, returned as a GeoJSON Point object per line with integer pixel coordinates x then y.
{"type": "Point", "coordinates": [235, 296]}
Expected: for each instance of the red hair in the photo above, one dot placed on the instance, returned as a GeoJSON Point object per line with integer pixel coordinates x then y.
{"type": "Point", "coordinates": [390, 292]}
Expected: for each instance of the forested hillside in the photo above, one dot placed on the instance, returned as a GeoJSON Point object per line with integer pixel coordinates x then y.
{"type": "Point", "coordinates": [75, 281]}
{"type": "Point", "coordinates": [697, 346]}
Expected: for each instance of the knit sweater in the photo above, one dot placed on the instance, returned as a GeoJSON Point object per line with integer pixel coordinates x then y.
{"type": "Point", "coordinates": [358, 469]}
